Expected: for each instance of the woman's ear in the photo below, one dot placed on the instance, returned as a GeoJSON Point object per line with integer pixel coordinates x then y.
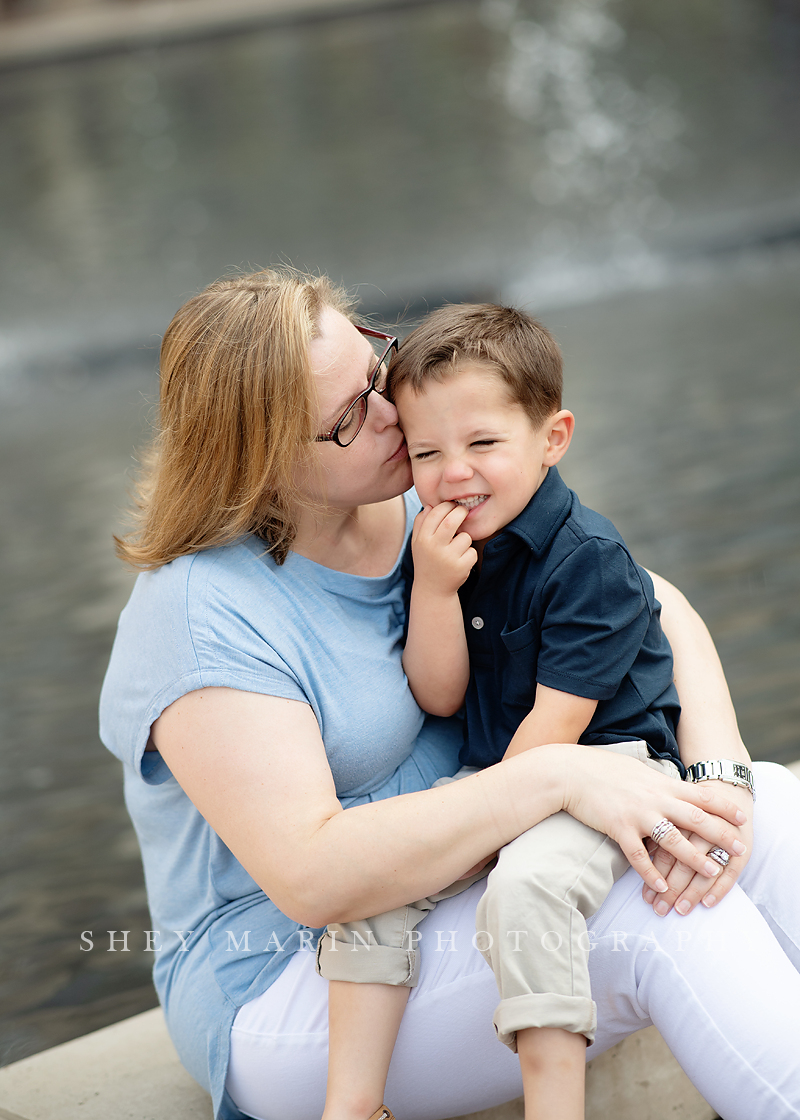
{"type": "Point", "coordinates": [559, 428]}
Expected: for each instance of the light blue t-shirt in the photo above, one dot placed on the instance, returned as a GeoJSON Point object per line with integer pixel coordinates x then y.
{"type": "Point", "coordinates": [232, 617]}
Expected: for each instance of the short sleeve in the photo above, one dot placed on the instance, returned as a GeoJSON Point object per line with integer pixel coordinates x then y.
{"type": "Point", "coordinates": [180, 632]}
{"type": "Point", "coordinates": [596, 612]}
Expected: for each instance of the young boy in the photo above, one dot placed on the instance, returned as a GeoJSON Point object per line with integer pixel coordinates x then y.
{"type": "Point", "coordinates": [528, 610]}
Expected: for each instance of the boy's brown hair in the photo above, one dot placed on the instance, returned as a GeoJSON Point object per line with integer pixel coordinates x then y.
{"type": "Point", "coordinates": [516, 346]}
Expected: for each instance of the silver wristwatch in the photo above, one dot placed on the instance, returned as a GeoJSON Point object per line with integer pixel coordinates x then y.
{"type": "Point", "coordinates": [723, 770]}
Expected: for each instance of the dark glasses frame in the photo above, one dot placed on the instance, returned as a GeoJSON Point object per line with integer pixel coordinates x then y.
{"type": "Point", "coordinates": [333, 435]}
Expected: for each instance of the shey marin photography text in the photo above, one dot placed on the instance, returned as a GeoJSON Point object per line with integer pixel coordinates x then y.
{"type": "Point", "coordinates": [437, 941]}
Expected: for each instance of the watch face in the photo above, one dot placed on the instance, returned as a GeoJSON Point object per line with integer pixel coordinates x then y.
{"type": "Point", "coordinates": [741, 771]}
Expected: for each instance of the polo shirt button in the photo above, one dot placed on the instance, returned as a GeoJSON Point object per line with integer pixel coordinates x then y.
{"type": "Point", "coordinates": [477, 623]}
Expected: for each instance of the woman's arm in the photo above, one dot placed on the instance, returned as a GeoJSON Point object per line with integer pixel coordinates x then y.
{"type": "Point", "coordinates": [708, 721]}
{"type": "Point", "coordinates": [256, 769]}
{"type": "Point", "coordinates": [707, 729]}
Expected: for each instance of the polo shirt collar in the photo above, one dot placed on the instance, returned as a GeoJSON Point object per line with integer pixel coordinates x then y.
{"type": "Point", "coordinates": [544, 514]}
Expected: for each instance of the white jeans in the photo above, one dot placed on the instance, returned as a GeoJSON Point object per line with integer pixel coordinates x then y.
{"type": "Point", "coordinates": [721, 985]}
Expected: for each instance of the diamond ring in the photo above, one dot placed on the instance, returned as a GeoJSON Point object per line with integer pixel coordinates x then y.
{"type": "Point", "coordinates": [662, 829]}
{"type": "Point", "coordinates": [719, 855]}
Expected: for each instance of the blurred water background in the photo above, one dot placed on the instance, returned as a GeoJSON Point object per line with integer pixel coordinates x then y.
{"type": "Point", "coordinates": [628, 169]}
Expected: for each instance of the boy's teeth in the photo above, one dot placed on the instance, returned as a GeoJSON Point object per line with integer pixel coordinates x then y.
{"type": "Point", "coordinates": [470, 503]}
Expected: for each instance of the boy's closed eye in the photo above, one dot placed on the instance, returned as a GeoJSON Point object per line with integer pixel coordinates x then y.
{"type": "Point", "coordinates": [420, 456]}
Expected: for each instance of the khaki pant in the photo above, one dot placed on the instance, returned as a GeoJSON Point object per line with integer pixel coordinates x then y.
{"type": "Point", "coordinates": [531, 923]}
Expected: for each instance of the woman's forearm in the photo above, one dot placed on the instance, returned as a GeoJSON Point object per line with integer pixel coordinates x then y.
{"type": "Point", "coordinates": [707, 727]}
{"type": "Point", "coordinates": [256, 769]}
{"type": "Point", "coordinates": [427, 839]}
{"type": "Point", "coordinates": [375, 857]}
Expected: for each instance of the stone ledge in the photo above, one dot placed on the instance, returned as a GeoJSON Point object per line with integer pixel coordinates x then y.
{"type": "Point", "coordinates": [130, 1071]}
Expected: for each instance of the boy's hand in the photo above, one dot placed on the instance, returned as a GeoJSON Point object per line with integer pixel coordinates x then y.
{"type": "Point", "coordinates": [443, 557]}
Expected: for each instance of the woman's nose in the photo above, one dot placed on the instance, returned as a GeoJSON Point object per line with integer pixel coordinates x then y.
{"type": "Point", "coordinates": [382, 412]}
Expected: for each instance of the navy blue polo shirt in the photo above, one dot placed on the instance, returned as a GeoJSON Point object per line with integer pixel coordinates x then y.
{"type": "Point", "coordinates": [559, 600]}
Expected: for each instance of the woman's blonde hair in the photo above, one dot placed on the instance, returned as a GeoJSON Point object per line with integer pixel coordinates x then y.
{"type": "Point", "coordinates": [236, 418]}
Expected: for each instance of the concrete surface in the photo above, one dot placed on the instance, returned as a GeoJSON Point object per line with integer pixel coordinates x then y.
{"type": "Point", "coordinates": [130, 1071]}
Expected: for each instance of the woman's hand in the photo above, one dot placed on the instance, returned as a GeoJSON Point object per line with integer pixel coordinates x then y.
{"type": "Point", "coordinates": [625, 800]}
{"type": "Point", "coordinates": [685, 887]}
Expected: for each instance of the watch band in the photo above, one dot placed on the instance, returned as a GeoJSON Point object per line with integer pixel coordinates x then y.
{"type": "Point", "coordinates": [722, 770]}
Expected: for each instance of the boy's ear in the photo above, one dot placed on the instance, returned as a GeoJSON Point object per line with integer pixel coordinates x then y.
{"type": "Point", "coordinates": [560, 427]}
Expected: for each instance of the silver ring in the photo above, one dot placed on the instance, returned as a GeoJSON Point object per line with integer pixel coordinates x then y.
{"type": "Point", "coordinates": [719, 855]}
{"type": "Point", "coordinates": [662, 829]}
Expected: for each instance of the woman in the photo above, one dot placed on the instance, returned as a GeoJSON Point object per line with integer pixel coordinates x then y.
{"type": "Point", "coordinates": [255, 689]}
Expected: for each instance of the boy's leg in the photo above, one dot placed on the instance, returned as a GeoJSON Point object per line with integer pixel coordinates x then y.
{"type": "Point", "coordinates": [371, 966]}
{"type": "Point", "coordinates": [532, 931]}
{"type": "Point", "coordinates": [533, 914]}
{"type": "Point", "coordinates": [363, 1021]}
{"type": "Point", "coordinates": [377, 950]}
{"type": "Point", "coordinates": [553, 1066]}
{"type": "Point", "coordinates": [531, 920]}
{"type": "Point", "coordinates": [531, 924]}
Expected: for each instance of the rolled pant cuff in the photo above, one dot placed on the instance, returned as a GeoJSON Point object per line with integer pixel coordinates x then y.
{"type": "Point", "coordinates": [571, 1013]}
{"type": "Point", "coordinates": [367, 964]}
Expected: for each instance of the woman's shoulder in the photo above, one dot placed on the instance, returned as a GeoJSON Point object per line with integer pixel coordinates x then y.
{"type": "Point", "coordinates": [205, 620]}
{"type": "Point", "coordinates": [197, 605]}
{"type": "Point", "coordinates": [228, 568]}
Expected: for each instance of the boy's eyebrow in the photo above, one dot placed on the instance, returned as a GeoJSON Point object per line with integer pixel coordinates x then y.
{"type": "Point", "coordinates": [478, 433]}
{"type": "Point", "coordinates": [493, 432]}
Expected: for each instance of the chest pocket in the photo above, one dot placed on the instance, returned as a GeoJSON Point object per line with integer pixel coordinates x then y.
{"type": "Point", "coordinates": [519, 677]}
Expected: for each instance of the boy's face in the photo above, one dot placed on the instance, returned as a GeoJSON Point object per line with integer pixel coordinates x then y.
{"type": "Point", "coordinates": [469, 443]}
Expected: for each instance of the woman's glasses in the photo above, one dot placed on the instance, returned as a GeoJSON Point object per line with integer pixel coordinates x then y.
{"type": "Point", "coordinates": [350, 423]}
